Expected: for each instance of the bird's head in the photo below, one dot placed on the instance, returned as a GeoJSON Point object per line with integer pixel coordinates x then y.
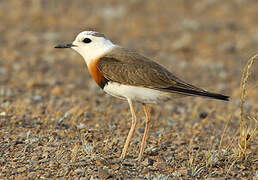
{"type": "Point", "coordinates": [89, 44]}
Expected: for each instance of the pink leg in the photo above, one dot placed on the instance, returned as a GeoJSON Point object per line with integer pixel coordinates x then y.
{"type": "Point", "coordinates": [146, 131]}
{"type": "Point", "coordinates": [130, 134]}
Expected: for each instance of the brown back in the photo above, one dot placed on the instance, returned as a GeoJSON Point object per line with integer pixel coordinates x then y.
{"type": "Point", "coordinates": [128, 67]}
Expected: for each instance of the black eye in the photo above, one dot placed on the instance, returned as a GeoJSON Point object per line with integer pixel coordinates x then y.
{"type": "Point", "coordinates": [86, 40]}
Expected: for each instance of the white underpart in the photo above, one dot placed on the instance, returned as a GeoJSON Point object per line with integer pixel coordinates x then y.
{"type": "Point", "coordinates": [93, 50]}
{"type": "Point", "coordinates": [140, 94]}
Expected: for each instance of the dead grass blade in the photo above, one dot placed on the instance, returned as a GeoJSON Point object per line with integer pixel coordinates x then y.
{"type": "Point", "coordinates": [243, 124]}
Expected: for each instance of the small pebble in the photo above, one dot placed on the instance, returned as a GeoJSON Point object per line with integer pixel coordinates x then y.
{"type": "Point", "coordinates": [148, 162]}
{"type": "Point", "coordinates": [203, 115]}
{"type": "Point", "coordinates": [3, 114]}
{"type": "Point", "coordinates": [196, 148]}
{"type": "Point", "coordinates": [35, 158]}
{"type": "Point", "coordinates": [81, 126]}
{"type": "Point", "coordinates": [88, 148]}
{"type": "Point", "coordinates": [37, 98]}
{"type": "Point", "coordinates": [87, 115]}
{"type": "Point", "coordinates": [5, 104]}
{"type": "Point", "coordinates": [79, 171]}
{"type": "Point", "coordinates": [103, 173]}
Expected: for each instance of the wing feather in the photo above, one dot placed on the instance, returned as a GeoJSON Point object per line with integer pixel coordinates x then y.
{"type": "Point", "coordinates": [128, 67]}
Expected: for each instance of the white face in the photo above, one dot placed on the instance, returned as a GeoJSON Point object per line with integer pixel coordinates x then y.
{"type": "Point", "coordinates": [91, 45]}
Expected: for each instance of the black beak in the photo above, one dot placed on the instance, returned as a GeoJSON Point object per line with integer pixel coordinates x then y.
{"type": "Point", "coordinates": [69, 45]}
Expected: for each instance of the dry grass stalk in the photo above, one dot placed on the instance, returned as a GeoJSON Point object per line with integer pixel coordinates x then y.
{"type": "Point", "coordinates": [243, 125]}
{"type": "Point", "coordinates": [223, 134]}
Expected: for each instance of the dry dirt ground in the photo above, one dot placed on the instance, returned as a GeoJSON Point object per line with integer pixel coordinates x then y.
{"type": "Point", "coordinates": [55, 122]}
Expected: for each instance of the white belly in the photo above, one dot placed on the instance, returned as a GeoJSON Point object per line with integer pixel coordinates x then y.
{"type": "Point", "coordinates": [140, 94]}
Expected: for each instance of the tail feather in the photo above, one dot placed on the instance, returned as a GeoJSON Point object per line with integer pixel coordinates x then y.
{"type": "Point", "coordinates": [203, 93]}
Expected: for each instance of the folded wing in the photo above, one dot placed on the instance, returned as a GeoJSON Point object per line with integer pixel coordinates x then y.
{"type": "Point", "coordinates": [128, 67]}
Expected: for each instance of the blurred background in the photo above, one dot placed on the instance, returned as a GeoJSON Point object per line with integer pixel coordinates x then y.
{"type": "Point", "coordinates": [48, 92]}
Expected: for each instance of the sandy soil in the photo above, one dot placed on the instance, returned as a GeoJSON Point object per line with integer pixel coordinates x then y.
{"type": "Point", "coordinates": [55, 122]}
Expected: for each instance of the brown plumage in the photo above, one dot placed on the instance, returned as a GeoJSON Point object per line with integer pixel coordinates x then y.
{"type": "Point", "coordinates": [129, 68]}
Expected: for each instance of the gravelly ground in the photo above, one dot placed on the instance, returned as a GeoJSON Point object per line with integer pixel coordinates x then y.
{"type": "Point", "coordinates": [55, 122]}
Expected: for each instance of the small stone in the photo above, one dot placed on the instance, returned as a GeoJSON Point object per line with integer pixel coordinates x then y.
{"type": "Point", "coordinates": [160, 165]}
{"type": "Point", "coordinates": [173, 148]}
{"type": "Point", "coordinates": [34, 158]}
{"type": "Point", "coordinates": [103, 174]}
{"type": "Point", "coordinates": [148, 162]}
{"type": "Point", "coordinates": [165, 145]}
{"type": "Point", "coordinates": [5, 104]}
{"type": "Point", "coordinates": [88, 148]}
{"type": "Point", "coordinates": [160, 162]}
{"type": "Point", "coordinates": [2, 161]}
{"type": "Point", "coordinates": [87, 115]}
{"type": "Point", "coordinates": [37, 98]}
{"type": "Point", "coordinates": [203, 115]}
{"type": "Point", "coordinates": [37, 121]}
{"type": "Point", "coordinates": [152, 151]}
{"type": "Point", "coordinates": [79, 171]}
{"type": "Point", "coordinates": [18, 142]}
{"type": "Point", "coordinates": [3, 114]}
{"type": "Point", "coordinates": [57, 90]}
{"type": "Point", "coordinates": [81, 126]}
{"type": "Point", "coordinates": [196, 148]}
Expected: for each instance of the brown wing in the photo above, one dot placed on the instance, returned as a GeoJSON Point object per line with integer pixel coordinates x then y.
{"type": "Point", "coordinates": [128, 67]}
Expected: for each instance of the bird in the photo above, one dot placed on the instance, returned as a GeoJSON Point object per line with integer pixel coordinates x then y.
{"type": "Point", "coordinates": [128, 75]}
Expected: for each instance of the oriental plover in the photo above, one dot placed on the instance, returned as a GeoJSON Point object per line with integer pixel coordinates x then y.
{"type": "Point", "coordinates": [127, 75]}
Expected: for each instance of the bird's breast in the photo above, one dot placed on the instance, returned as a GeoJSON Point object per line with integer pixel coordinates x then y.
{"type": "Point", "coordinates": [96, 74]}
